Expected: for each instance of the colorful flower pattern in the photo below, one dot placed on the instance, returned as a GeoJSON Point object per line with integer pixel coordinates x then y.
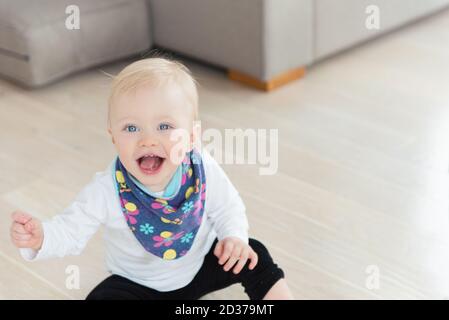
{"type": "Point", "coordinates": [165, 227]}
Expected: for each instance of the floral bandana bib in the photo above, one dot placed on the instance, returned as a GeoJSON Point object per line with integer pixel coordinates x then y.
{"type": "Point", "coordinates": [165, 228]}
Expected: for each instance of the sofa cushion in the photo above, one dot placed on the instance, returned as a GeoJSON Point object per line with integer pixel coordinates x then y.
{"type": "Point", "coordinates": [37, 48]}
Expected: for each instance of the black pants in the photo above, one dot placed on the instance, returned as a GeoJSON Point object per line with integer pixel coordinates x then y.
{"type": "Point", "coordinates": [210, 277]}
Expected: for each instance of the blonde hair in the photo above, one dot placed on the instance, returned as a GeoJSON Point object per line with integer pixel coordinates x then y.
{"type": "Point", "coordinates": [155, 71]}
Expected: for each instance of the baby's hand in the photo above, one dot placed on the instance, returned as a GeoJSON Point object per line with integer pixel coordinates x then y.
{"type": "Point", "coordinates": [235, 249]}
{"type": "Point", "coordinates": [26, 231]}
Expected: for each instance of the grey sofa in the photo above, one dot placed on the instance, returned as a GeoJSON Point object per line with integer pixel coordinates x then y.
{"type": "Point", "coordinates": [264, 43]}
{"type": "Point", "coordinates": [37, 48]}
{"type": "Point", "coordinates": [264, 39]}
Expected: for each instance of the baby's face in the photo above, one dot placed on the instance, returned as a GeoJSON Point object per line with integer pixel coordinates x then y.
{"type": "Point", "coordinates": [141, 124]}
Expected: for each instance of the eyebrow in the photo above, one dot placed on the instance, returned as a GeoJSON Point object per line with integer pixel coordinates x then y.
{"type": "Point", "coordinates": [165, 118]}
{"type": "Point", "coordinates": [124, 119]}
{"type": "Point", "coordinates": [161, 118]}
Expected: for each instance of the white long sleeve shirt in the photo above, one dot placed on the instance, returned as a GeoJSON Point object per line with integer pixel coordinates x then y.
{"type": "Point", "coordinates": [68, 232]}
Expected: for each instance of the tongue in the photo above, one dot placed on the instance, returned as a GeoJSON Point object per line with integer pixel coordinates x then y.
{"type": "Point", "coordinates": [150, 163]}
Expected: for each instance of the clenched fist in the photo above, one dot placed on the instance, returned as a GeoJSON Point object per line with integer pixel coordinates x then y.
{"type": "Point", "coordinates": [26, 231]}
{"type": "Point", "coordinates": [232, 250]}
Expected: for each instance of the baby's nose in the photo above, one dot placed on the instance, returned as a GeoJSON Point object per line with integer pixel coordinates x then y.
{"type": "Point", "coordinates": [148, 140]}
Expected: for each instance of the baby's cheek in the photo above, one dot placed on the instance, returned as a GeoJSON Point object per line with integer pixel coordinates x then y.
{"type": "Point", "coordinates": [126, 153]}
{"type": "Point", "coordinates": [130, 141]}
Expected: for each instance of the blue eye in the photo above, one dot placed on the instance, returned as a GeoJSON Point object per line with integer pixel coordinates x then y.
{"type": "Point", "coordinates": [131, 128]}
{"type": "Point", "coordinates": [164, 126]}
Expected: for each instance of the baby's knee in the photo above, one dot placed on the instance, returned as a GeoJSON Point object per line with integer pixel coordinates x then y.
{"type": "Point", "coordinates": [264, 259]}
{"type": "Point", "coordinates": [258, 281]}
{"type": "Point", "coordinates": [262, 252]}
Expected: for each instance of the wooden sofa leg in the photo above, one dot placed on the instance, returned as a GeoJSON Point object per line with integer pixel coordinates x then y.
{"type": "Point", "coordinates": [271, 84]}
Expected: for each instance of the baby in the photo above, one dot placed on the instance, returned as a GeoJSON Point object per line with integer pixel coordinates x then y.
{"type": "Point", "coordinates": [174, 225]}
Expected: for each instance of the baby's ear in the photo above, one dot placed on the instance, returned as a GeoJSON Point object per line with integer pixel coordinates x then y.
{"type": "Point", "coordinates": [110, 133]}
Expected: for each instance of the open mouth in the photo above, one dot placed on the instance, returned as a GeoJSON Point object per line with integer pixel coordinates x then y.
{"type": "Point", "coordinates": [150, 164]}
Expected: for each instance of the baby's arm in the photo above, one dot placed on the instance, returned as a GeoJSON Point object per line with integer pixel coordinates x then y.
{"type": "Point", "coordinates": [228, 216]}
{"type": "Point", "coordinates": [66, 233]}
{"type": "Point", "coordinates": [226, 209]}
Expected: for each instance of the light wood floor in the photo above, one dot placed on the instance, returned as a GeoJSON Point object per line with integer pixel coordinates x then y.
{"type": "Point", "coordinates": [362, 181]}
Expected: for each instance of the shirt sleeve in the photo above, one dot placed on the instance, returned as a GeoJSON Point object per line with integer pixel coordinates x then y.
{"type": "Point", "coordinates": [225, 207]}
{"type": "Point", "coordinates": [68, 232]}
